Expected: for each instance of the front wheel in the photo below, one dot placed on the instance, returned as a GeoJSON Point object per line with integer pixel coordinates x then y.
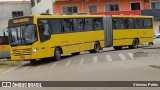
{"type": "Point", "coordinates": [57, 54]}
{"type": "Point", "coordinates": [97, 48]}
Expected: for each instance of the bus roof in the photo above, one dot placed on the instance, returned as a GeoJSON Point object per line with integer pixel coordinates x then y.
{"type": "Point", "coordinates": [131, 16]}
{"type": "Point", "coordinates": [66, 16]}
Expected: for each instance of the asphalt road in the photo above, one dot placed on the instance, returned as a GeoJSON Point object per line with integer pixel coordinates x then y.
{"type": "Point", "coordinates": [108, 65]}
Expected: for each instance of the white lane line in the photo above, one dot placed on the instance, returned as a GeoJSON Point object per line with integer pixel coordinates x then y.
{"type": "Point", "coordinates": [11, 69]}
{"type": "Point", "coordinates": [81, 61]}
{"type": "Point", "coordinates": [122, 56]}
{"type": "Point", "coordinates": [108, 57]}
{"type": "Point", "coordinates": [54, 64]}
{"type": "Point", "coordinates": [131, 55]}
{"type": "Point", "coordinates": [95, 59]}
{"type": "Point", "coordinates": [67, 64]}
{"type": "Point", "coordinates": [25, 68]}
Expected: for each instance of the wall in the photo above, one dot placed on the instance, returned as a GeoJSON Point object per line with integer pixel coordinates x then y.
{"type": "Point", "coordinates": [6, 13]}
{"type": "Point", "coordinates": [83, 5]}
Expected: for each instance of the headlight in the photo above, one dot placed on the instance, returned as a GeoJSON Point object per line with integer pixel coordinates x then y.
{"type": "Point", "coordinates": [11, 52]}
{"type": "Point", "coordinates": [35, 50]}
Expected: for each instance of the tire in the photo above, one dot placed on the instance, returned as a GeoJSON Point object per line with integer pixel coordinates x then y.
{"type": "Point", "coordinates": [33, 61]}
{"type": "Point", "coordinates": [117, 47]}
{"type": "Point", "coordinates": [151, 43]}
{"type": "Point", "coordinates": [134, 44]}
{"type": "Point", "coordinates": [76, 53]}
{"type": "Point", "coordinates": [57, 54]}
{"type": "Point", "coordinates": [97, 48]}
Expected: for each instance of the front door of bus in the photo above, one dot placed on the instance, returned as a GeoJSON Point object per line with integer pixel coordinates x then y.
{"type": "Point", "coordinates": [44, 33]}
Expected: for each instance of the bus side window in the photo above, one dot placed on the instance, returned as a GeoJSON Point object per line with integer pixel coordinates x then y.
{"type": "Point", "coordinates": [67, 25]}
{"type": "Point", "coordinates": [88, 24]}
{"type": "Point", "coordinates": [147, 23]}
{"type": "Point", "coordinates": [138, 23]}
{"type": "Point", "coordinates": [129, 23]}
{"type": "Point", "coordinates": [118, 23]}
{"type": "Point", "coordinates": [78, 25]}
{"type": "Point", "coordinates": [97, 23]}
{"type": "Point", "coordinates": [55, 25]}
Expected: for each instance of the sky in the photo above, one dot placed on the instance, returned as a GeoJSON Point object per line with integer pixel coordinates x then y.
{"type": "Point", "coordinates": [14, 0]}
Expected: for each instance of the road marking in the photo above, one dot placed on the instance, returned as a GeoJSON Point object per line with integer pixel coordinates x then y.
{"type": "Point", "coordinates": [95, 59]}
{"type": "Point", "coordinates": [108, 57]}
{"type": "Point", "coordinates": [13, 68]}
{"type": "Point", "coordinates": [81, 61]}
{"type": "Point", "coordinates": [54, 64]}
{"type": "Point", "coordinates": [24, 68]}
{"type": "Point", "coordinates": [122, 57]}
{"type": "Point", "coordinates": [67, 64]}
{"type": "Point", "coordinates": [131, 55]}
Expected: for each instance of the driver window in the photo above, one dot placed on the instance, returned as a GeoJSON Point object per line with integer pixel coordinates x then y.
{"type": "Point", "coordinates": [44, 29]}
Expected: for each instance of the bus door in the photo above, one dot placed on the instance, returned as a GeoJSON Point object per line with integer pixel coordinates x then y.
{"type": "Point", "coordinates": [119, 32]}
{"type": "Point", "coordinates": [131, 32]}
{"type": "Point", "coordinates": [45, 35]}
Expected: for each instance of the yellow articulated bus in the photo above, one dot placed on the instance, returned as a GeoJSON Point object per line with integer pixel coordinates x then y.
{"type": "Point", "coordinates": [42, 36]}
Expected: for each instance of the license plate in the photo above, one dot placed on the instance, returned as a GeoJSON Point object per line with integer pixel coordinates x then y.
{"type": "Point", "coordinates": [22, 57]}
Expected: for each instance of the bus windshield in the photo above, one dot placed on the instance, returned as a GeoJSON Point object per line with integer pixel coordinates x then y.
{"type": "Point", "coordinates": [22, 35]}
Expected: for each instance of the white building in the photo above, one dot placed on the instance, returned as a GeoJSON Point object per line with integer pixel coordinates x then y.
{"type": "Point", "coordinates": [9, 10]}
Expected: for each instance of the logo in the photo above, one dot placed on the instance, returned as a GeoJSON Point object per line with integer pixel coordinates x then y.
{"type": "Point", "coordinates": [6, 84]}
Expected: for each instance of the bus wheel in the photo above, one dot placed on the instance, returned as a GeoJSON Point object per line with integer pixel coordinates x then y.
{"type": "Point", "coordinates": [57, 54]}
{"type": "Point", "coordinates": [134, 44]}
{"type": "Point", "coordinates": [151, 43]}
{"type": "Point", "coordinates": [76, 53]}
{"type": "Point", "coordinates": [33, 61]}
{"type": "Point", "coordinates": [117, 47]}
{"type": "Point", "coordinates": [97, 48]}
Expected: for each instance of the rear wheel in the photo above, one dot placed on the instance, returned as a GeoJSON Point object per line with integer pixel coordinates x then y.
{"type": "Point", "coordinates": [76, 53]}
{"type": "Point", "coordinates": [97, 48]}
{"type": "Point", "coordinates": [117, 47]}
{"type": "Point", "coordinates": [134, 44]}
{"type": "Point", "coordinates": [151, 43]}
{"type": "Point", "coordinates": [57, 54]}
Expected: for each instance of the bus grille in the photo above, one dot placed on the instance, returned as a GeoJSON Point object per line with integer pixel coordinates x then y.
{"type": "Point", "coordinates": [20, 52]}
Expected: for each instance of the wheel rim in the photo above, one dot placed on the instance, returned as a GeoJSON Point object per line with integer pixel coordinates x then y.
{"type": "Point", "coordinates": [150, 44]}
{"type": "Point", "coordinates": [97, 47]}
{"type": "Point", "coordinates": [135, 44]}
{"type": "Point", "coordinates": [58, 54]}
